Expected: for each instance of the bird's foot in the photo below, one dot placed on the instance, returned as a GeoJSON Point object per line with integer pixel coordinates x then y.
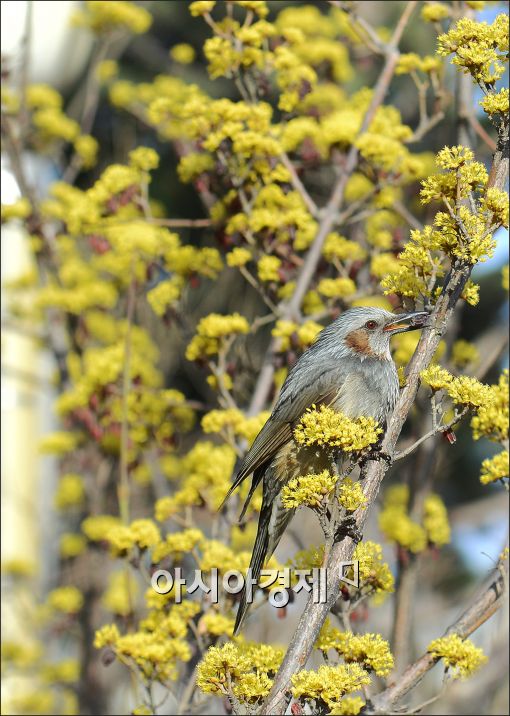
{"type": "Point", "coordinates": [375, 453]}
{"type": "Point", "coordinates": [348, 528]}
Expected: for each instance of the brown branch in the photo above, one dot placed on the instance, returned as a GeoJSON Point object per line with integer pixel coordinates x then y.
{"type": "Point", "coordinates": [474, 616]}
{"type": "Point", "coordinates": [313, 615]}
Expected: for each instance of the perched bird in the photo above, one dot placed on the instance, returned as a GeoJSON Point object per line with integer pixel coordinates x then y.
{"type": "Point", "coordinates": [350, 369]}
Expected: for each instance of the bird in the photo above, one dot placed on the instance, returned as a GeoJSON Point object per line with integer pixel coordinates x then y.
{"type": "Point", "coordinates": [349, 368]}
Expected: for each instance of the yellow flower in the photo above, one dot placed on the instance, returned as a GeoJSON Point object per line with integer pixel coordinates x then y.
{"type": "Point", "coordinates": [164, 295]}
{"type": "Point", "coordinates": [211, 330]}
{"type": "Point", "coordinates": [201, 7]}
{"type": "Point", "coordinates": [72, 545]}
{"type": "Point", "coordinates": [435, 520]}
{"type": "Point", "coordinates": [216, 624]}
{"type": "Point", "coordinates": [373, 571]}
{"type": "Point", "coordinates": [309, 490]}
{"type": "Point", "coordinates": [496, 102]}
{"type": "Point", "coordinates": [326, 427]}
{"type": "Point", "coordinates": [329, 683]}
{"type": "Point", "coordinates": [144, 158]}
{"type": "Point", "coordinates": [106, 636]}
{"type": "Point", "coordinates": [494, 468]}
{"type": "Point", "coordinates": [339, 247]}
{"type": "Point", "coordinates": [21, 209]}
{"type": "Point", "coordinates": [370, 650]}
{"type": "Point", "coordinates": [182, 53]}
{"type": "Point", "coordinates": [86, 147]}
{"type": "Point", "coordinates": [435, 11]}
{"type": "Point", "coordinates": [68, 600]}
{"type": "Point", "coordinates": [336, 287]}
{"type": "Point", "coordinates": [97, 527]}
{"type": "Point", "coordinates": [348, 706]}
{"type": "Point", "coordinates": [268, 268]}
{"type": "Point", "coordinates": [461, 655]}
{"type": "Point", "coordinates": [436, 377]}
{"type": "Point", "coordinates": [396, 524]}
{"type": "Point", "coordinates": [70, 492]}
{"type": "Point", "coordinates": [238, 257]}
{"type": "Point", "coordinates": [464, 353]}
{"type": "Point", "coordinates": [106, 70]}
{"type": "Point", "coordinates": [351, 495]}
{"type": "Point", "coordinates": [120, 594]}
{"type": "Point", "coordinates": [42, 95]}
{"type": "Point", "coordinates": [105, 15]}
{"type": "Point", "coordinates": [218, 665]}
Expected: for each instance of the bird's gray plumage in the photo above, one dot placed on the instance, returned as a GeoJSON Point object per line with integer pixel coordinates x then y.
{"type": "Point", "coordinates": [349, 367]}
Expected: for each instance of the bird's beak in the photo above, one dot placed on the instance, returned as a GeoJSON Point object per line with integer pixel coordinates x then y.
{"type": "Point", "coordinates": [407, 322]}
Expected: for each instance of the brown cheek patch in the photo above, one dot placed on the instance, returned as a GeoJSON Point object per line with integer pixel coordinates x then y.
{"type": "Point", "coordinates": [358, 341]}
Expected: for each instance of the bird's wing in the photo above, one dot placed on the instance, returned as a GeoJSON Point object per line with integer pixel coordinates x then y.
{"type": "Point", "coordinates": [307, 387]}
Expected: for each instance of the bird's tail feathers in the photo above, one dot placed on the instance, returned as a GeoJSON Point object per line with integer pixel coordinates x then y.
{"type": "Point", "coordinates": [258, 558]}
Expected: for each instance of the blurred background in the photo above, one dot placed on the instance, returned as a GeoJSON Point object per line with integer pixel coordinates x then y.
{"type": "Point", "coordinates": [60, 56]}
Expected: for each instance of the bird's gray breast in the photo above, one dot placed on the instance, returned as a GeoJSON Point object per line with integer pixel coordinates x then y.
{"type": "Point", "coordinates": [367, 389]}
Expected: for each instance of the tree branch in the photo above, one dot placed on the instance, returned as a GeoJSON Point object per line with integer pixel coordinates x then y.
{"type": "Point", "coordinates": [314, 615]}
{"type": "Point", "coordinates": [329, 213]}
{"type": "Point", "coordinates": [474, 616]}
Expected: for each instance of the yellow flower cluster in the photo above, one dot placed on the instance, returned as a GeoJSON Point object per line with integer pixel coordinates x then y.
{"type": "Point", "coordinates": [463, 390]}
{"type": "Point", "coordinates": [140, 533]}
{"type": "Point", "coordinates": [460, 655]}
{"type": "Point", "coordinates": [369, 650]}
{"type": "Point", "coordinates": [212, 332]}
{"type": "Point", "coordinates": [351, 495]}
{"type": "Point", "coordinates": [464, 353]}
{"type": "Point", "coordinates": [177, 544]}
{"type": "Point", "coordinates": [247, 667]}
{"type": "Point", "coordinates": [21, 209]}
{"type": "Point", "coordinates": [216, 624]}
{"type": "Point", "coordinates": [120, 594]}
{"type": "Point", "coordinates": [435, 520]}
{"type": "Point", "coordinates": [479, 49]}
{"type": "Point", "coordinates": [72, 545]}
{"type": "Point", "coordinates": [397, 526]}
{"type": "Point", "coordinates": [435, 11]}
{"type": "Point", "coordinates": [291, 333]}
{"type": "Point", "coordinates": [104, 16]}
{"type": "Point", "coordinates": [496, 102]}
{"type": "Point", "coordinates": [59, 443]}
{"type": "Point", "coordinates": [374, 573]}
{"type": "Point", "coordinates": [97, 527]}
{"type": "Point", "coordinates": [268, 268]}
{"type": "Point", "coordinates": [234, 421]}
{"type": "Point", "coordinates": [206, 470]}
{"type": "Point", "coordinates": [311, 490]}
{"type": "Point", "coordinates": [68, 600]}
{"type": "Point", "coordinates": [182, 53]}
{"type": "Point", "coordinates": [338, 247]}
{"type": "Point", "coordinates": [325, 427]}
{"type": "Point", "coordinates": [329, 683]}
{"type": "Point", "coordinates": [336, 287]}
{"type": "Point", "coordinates": [495, 468]}
{"type": "Point", "coordinates": [70, 492]}
{"type": "Point", "coordinates": [492, 417]}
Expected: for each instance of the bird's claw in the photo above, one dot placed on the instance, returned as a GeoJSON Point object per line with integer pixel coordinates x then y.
{"type": "Point", "coordinates": [376, 454]}
{"type": "Point", "coordinates": [348, 528]}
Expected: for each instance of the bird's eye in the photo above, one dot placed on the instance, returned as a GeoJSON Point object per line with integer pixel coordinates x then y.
{"type": "Point", "coordinates": [371, 325]}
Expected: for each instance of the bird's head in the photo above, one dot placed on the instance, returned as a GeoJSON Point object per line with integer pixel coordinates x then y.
{"type": "Point", "coordinates": [365, 332]}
